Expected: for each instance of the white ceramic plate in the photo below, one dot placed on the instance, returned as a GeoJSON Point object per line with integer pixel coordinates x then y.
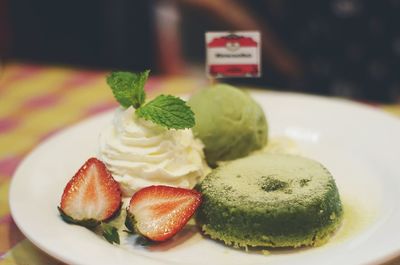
{"type": "Point", "coordinates": [358, 144]}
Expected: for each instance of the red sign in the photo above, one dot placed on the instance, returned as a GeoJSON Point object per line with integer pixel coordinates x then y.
{"type": "Point", "coordinates": [233, 54]}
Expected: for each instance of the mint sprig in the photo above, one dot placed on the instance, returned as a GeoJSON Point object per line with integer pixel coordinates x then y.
{"type": "Point", "coordinates": [128, 88]}
{"type": "Point", "coordinates": [168, 111]}
{"type": "Point", "coordinates": [165, 110]}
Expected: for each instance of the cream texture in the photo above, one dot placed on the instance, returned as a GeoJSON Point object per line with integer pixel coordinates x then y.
{"type": "Point", "coordinates": [140, 153]}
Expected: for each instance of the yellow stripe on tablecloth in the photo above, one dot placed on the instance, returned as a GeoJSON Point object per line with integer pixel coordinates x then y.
{"type": "Point", "coordinates": [394, 109]}
{"type": "Point", "coordinates": [4, 188]}
{"type": "Point", "coordinates": [41, 84]}
{"type": "Point", "coordinates": [83, 99]}
{"type": "Point", "coordinates": [15, 145]}
{"type": "Point", "coordinates": [25, 253]}
{"type": "Point", "coordinates": [72, 106]}
{"type": "Point", "coordinates": [34, 126]}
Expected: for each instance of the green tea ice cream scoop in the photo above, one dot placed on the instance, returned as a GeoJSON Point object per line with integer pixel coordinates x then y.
{"type": "Point", "coordinates": [229, 122]}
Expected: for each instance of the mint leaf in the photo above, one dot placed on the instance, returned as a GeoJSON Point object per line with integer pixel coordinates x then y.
{"type": "Point", "coordinates": [110, 233]}
{"type": "Point", "coordinates": [128, 88]}
{"type": "Point", "coordinates": [168, 111]}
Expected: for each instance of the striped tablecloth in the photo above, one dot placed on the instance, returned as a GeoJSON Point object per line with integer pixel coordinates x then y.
{"type": "Point", "coordinates": [36, 102]}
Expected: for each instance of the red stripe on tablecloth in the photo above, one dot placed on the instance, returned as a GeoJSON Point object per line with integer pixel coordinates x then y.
{"type": "Point", "coordinates": [152, 83]}
{"type": "Point", "coordinates": [22, 72]}
{"type": "Point", "coordinates": [13, 235]}
{"type": "Point", "coordinates": [98, 108]}
{"type": "Point", "coordinates": [9, 164]}
{"type": "Point", "coordinates": [78, 79]}
{"type": "Point", "coordinates": [52, 98]}
{"type": "Point", "coordinates": [7, 124]}
{"type": "Point", "coordinates": [42, 101]}
{"type": "Point", "coordinates": [6, 219]}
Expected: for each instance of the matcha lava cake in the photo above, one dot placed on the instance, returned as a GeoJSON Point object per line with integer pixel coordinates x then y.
{"type": "Point", "coordinates": [270, 200]}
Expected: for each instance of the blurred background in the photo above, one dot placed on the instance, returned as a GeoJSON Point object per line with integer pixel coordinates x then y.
{"type": "Point", "coordinates": [346, 48]}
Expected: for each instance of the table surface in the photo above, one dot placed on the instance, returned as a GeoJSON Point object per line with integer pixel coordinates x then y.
{"type": "Point", "coordinates": [38, 101]}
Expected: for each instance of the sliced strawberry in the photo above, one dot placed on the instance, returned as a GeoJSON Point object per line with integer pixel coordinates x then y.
{"type": "Point", "coordinates": [159, 212]}
{"type": "Point", "coordinates": [91, 196]}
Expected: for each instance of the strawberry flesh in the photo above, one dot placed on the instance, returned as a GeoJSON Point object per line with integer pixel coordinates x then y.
{"type": "Point", "coordinates": [159, 212]}
{"type": "Point", "coordinates": [91, 196]}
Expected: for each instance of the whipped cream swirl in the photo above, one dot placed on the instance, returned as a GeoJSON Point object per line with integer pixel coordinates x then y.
{"type": "Point", "coordinates": [140, 153]}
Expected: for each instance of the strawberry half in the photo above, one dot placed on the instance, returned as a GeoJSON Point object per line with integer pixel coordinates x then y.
{"type": "Point", "coordinates": [159, 212]}
{"type": "Point", "coordinates": [91, 196]}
